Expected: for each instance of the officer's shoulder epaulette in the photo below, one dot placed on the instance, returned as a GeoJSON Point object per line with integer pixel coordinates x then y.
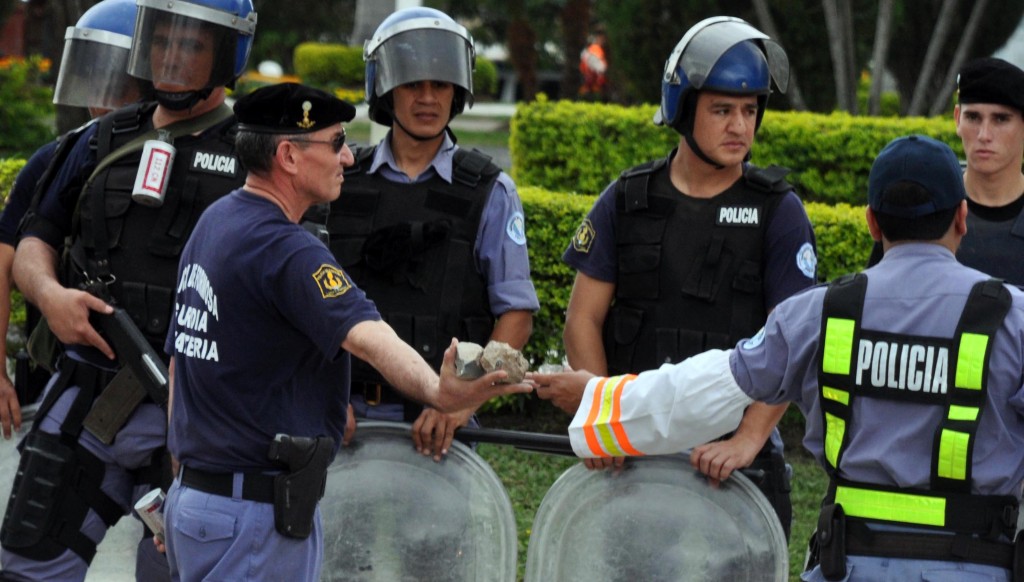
{"type": "Point", "coordinates": [470, 166]}
{"type": "Point", "coordinates": [771, 179]}
{"type": "Point", "coordinates": [363, 156]}
{"type": "Point", "coordinates": [643, 169]}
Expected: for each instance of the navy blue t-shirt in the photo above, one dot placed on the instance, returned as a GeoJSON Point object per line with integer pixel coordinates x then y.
{"type": "Point", "coordinates": [261, 309]}
{"type": "Point", "coordinates": [20, 197]}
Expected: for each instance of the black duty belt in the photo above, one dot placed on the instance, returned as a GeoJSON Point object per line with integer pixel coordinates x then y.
{"type": "Point", "coordinates": [862, 541]}
{"type": "Point", "coordinates": [255, 486]}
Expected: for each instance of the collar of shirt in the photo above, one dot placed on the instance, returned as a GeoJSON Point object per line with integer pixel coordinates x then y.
{"type": "Point", "coordinates": [916, 250]}
{"type": "Point", "coordinates": [384, 162]}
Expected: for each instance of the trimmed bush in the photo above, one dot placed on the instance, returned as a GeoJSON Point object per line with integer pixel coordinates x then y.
{"type": "Point", "coordinates": [485, 79]}
{"type": "Point", "coordinates": [26, 105]}
{"type": "Point", "coordinates": [329, 66]}
{"type": "Point", "coordinates": [581, 147]}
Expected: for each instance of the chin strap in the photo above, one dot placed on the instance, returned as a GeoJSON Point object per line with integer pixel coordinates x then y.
{"type": "Point", "coordinates": [700, 153]}
{"type": "Point", "coordinates": [181, 100]}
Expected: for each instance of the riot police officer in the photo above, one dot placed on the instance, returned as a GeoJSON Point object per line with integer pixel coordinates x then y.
{"type": "Point", "coordinates": [989, 117]}
{"type": "Point", "coordinates": [692, 251]}
{"type": "Point", "coordinates": [910, 378]}
{"type": "Point", "coordinates": [433, 233]}
{"type": "Point", "coordinates": [96, 422]}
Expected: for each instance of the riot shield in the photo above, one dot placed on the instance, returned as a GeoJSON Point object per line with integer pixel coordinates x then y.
{"type": "Point", "coordinates": [658, 519]}
{"type": "Point", "coordinates": [115, 556]}
{"type": "Point", "coordinates": [391, 514]}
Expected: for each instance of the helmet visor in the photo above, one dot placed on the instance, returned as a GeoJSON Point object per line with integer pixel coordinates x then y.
{"type": "Point", "coordinates": [93, 70]}
{"type": "Point", "coordinates": [190, 49]}
{"type": "Point", "coordinates": [424, 55]}
{"type": "Point", "coordinates": [698, 52]}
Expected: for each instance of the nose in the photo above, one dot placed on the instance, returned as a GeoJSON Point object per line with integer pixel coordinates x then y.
{"type": "Point", "coordinates": [347, 158]}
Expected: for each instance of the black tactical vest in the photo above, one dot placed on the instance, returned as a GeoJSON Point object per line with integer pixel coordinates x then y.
{"type": "Point", "coordinates": [994, 248]}
{"type": "Point", "coordinates": [410, 248]}
{"type": "Point", "coordinates": [690, 270]}
{"type": "Point", "coordinates": [143, 242]}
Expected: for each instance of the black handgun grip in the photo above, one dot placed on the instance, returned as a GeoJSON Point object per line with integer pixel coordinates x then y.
{"type": "Point", "coordinates": [133, 350]}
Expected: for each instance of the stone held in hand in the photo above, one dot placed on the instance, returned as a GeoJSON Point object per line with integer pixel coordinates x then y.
{"type": "Point", "coordinates": [501, 356]}
{"type": "Point", "coordinates": [467, 361]}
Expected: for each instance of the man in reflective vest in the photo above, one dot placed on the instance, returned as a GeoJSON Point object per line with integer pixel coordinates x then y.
{"type": "Point", "coordinates": [909, 375]}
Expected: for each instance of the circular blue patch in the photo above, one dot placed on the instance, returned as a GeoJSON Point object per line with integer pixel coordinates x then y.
{"type": "Point", "coordinates": [806, 260]}
{"type": "Point", "coordinates": [755, 341]}
{"type": "Point", "coordinates": [516, 228]}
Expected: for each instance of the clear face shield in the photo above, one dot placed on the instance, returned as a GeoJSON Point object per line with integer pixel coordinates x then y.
{"type": "Point", "coordinates": [186, 47]}
{"type": "Point", "coordinates": [699, 50]}
{"type": "Point", "coordinates": [93, 70]}
{"type": "Point", "coordinates": [411, 52]}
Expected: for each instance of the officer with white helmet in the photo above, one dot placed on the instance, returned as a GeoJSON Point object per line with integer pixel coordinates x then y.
{"type": "Point", "coordinates": [692, 251]}
{"type": "Point", "coordinates": [433, 233]}
{"type": "Point", "coordinates": [125, 199]}
{"type": "Point", "coordinates": [909, 375]}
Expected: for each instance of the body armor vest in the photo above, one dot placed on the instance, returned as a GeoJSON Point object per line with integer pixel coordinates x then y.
{"type": "Point", "coordinates": [951, 373]}
{"type": "Point", "coordinates": [143, 243]}
{"type": "Point", "coordinates": [994, 248]}
{"type": "Point", "coordinates": [410, 248]}
{"type": "Point", "coordinates": [690, 270]}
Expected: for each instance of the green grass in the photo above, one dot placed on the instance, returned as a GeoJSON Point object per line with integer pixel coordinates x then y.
{"type": "Point", "coordinates": [527, 476]}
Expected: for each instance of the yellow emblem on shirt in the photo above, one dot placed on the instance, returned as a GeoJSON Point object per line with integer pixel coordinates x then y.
{"type": "Point", "coordinates": [332, 281]}
{"type": "Point", "coordinates": [584, 237]}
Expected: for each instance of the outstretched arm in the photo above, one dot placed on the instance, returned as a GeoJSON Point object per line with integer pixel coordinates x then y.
{"type": "Point", "coordinates": [719, 459]}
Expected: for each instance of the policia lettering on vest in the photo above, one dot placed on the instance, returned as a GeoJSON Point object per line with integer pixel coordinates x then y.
{"type": "Point", "coordinates": [692, 251]}
{"type": "Point", "coordinates": [910, 376]}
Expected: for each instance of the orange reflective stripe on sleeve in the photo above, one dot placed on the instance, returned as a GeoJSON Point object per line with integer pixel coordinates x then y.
{"type": "Point", "coordinates": [620, 433]}
{"type": "Point", "coordinates": [603, 431]}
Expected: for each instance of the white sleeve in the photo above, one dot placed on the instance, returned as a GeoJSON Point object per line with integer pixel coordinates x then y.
{"type": "Point", "coordinates": [668, 410]}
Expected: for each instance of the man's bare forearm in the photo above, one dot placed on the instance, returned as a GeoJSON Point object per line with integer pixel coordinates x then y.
{"type": "Point", "coordinates": [35, 270]}
{"type": "Point", "coordinates": [377, 344]}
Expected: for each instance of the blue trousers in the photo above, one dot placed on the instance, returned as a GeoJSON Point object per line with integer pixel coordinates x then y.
{"type": "Point", "coordinates": [873, 569]}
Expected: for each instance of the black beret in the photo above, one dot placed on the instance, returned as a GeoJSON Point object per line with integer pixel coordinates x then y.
{"type": "Point", "coordinates": [991, 80]}
{"type": "Point", "coordinates": [290, 108]}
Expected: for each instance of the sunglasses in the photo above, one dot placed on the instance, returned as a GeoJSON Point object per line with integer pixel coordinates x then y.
{"type": "Point", "coordinates": [336, 143]}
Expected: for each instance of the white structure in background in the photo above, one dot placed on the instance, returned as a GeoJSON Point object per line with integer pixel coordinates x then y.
{"type": "Point", "coordinates": [1013, 50]}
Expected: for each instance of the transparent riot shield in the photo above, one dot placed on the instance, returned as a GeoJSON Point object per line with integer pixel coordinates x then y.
{"type": "Point", "coordinates": [656, 520]}
{"type": "Point", "coordinates": [115, 556]}
{"type": "Point", "coordinates": [391, 514]}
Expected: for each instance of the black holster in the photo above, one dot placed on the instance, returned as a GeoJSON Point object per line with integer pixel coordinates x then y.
{"type": "Point", "coordinates": [1018, 557]}
{"type": "Point", "coordinates": [830, 539]}
{"type": "Point", "coordinates": [298, 490]}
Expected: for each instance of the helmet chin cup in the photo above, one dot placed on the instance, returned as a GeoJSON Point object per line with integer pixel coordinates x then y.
{"type": "Point", "coordinates": [181, 100]}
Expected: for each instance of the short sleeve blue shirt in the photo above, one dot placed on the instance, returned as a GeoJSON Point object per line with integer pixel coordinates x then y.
{"type": "Point", "coordinates": [261, 310]}
{"type": "Point", "coordinates": [20, 197]}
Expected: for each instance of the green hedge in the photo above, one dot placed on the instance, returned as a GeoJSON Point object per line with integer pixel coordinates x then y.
{"type": "Point", "coordinates": [330, 66]}
{"type": "Point", "coordinates": [581, 147]}
{"type": "Point", "coordinates": [844, 244]}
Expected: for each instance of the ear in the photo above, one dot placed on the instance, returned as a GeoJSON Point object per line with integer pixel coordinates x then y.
{"type": "Point", "coordinates": [960, 220]}
{"type": "Point", "coordinates": [873, 228]}
{"type": "Point", "coordinates": [956, 118]}
{"type": "Point", "coordinates": [286, 156]}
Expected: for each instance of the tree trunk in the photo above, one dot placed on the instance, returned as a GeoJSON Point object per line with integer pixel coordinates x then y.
{"type": "Point", "coordinates": [764, 17]}
{"type": "Point", "coordinates": [966, 42]}
{"type": "Point", "coordinates": [575, 17]}
{"type": "Point", "coordinates": [846, 26]}
{"type": "Point", "coordinates": [836, 46]}
{"type": "Point", "coordinates": [522, 53]}
{"type": "Point", "coordinates": [931, 58]}
{"type": "Point", "coordinates": [883, 35]}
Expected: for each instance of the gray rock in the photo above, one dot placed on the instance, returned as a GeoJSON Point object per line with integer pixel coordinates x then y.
{"type": "Point", "coordinates": [501, 356]}
{"type": "Point", "coordinates": [467, 361]}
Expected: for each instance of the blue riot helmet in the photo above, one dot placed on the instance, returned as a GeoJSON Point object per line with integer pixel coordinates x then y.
{"type": "Point", "coordinates": [417, 44]}
{"type": "Point", "coordinates": [188, 48]}
{"type": "Point", "coordinates": [93, 68]}
{"type": "Point", "coordinates": [721, 54]}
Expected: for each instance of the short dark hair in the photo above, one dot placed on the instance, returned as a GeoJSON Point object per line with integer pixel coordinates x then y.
{"type": "Point", "coordinates": [256, 150]}
{"type": "Point", "coordinates": [906, 194]}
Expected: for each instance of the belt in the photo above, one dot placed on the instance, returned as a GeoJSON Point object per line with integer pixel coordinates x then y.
{"type": "Point", "coordinates": [255, 486]}
{"type": "Point", "coordinates": [861, 541]}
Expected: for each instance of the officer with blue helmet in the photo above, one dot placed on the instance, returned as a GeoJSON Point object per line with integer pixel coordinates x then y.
{"type": "Point", "coordinates": [433, 233]}
{"type": "Point", "coordinates": [92, 75]}
{"type": "Point", "coordinates": [692, 251]}
{"type": "Point", "coordinates": [909, 375]}
{"type": "Point", "coordinates": [98, 419]}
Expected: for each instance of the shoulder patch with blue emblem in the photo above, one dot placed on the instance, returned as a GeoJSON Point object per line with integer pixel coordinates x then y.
{"type": "Point", "coordinates": [755, 341]}
{"type": "Point", "coordinates": [516, 228]}
{"type": "Point", "coordinates": [806, 260]}
{"type": "Point", "coordinates": [332, 281]}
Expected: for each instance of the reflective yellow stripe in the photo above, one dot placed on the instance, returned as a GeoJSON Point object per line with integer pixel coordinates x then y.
{"type": "Point", "coordinates": [953, 449]}
{"type": "Point", "coordinates": [968, 413]}
{"type": "Point", "coordinates": [838, 346]}
{"type": "Point", "coordinates": [835, 428]}
{"type": "Point", "coordinates": [895, 507]}
{"type": "Point", "coordinates": [841, 396]}
{"type": "Point", "coordinates": [604, 432]}
{"type": "Point", "coordinates": [970, 361]}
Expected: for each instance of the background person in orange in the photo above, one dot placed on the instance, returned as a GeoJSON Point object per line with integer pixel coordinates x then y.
{"type": "Point", "coordinates": [594, 67]}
